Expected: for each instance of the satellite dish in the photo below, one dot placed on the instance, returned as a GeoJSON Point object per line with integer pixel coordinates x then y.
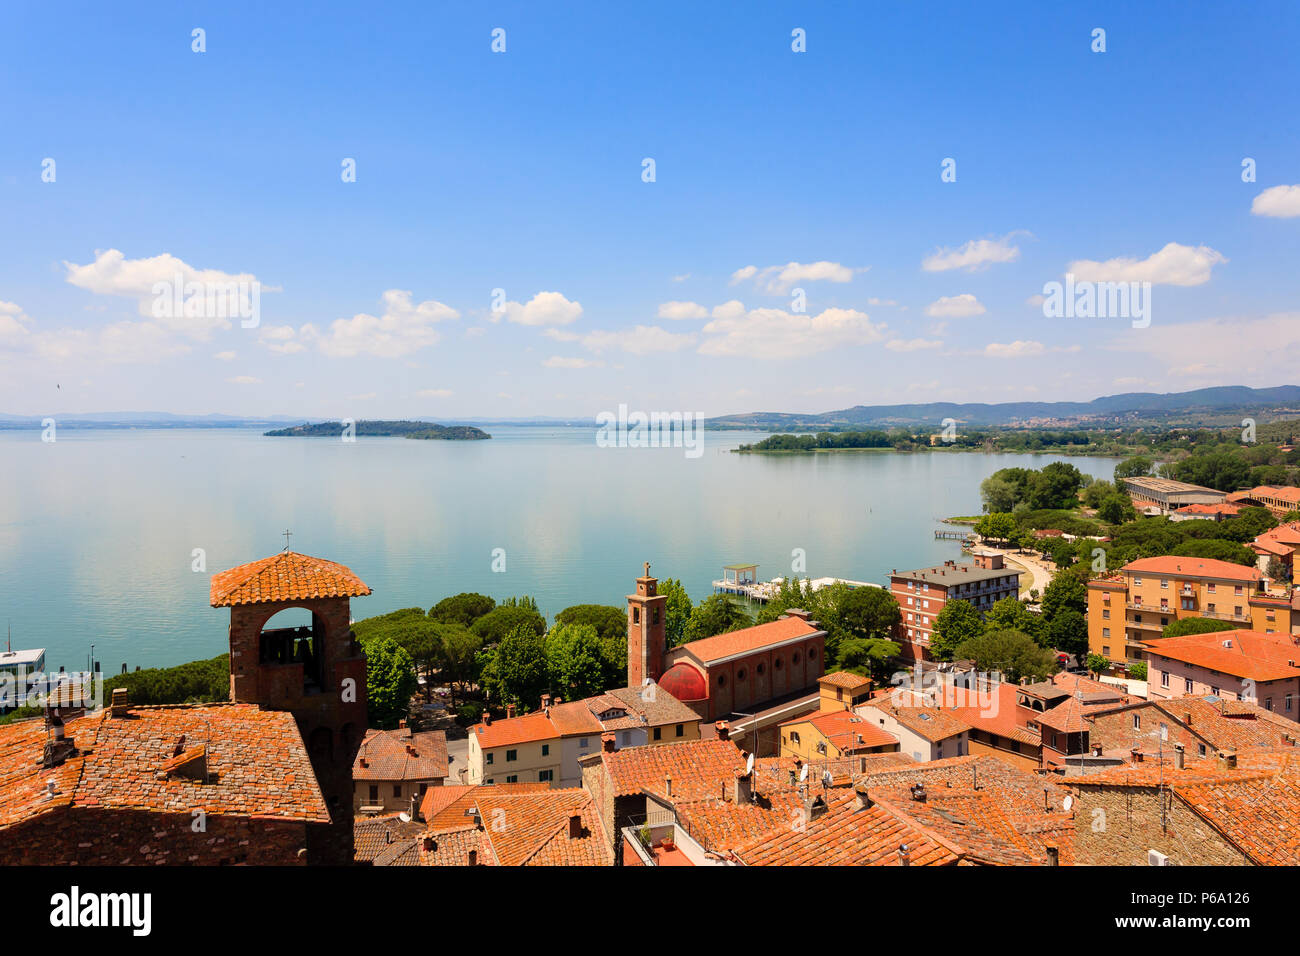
{"type": "Point", "coordinates": [749, 764]}
{"type": "Point", "coordinates": [1067, 802]}
{"type": "Point", "coordinates": [803, 773]}
{"type": "Point", "coordinates": [404, 817]}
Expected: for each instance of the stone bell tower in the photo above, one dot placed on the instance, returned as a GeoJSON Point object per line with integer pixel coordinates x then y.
{"type": "Point", "coordinates": [317, 672]}
{"type": "Point", "coordinates": [646, 631]}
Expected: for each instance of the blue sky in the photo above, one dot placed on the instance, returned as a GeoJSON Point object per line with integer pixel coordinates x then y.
{"type": "Point", "coordinates": [522, 171]}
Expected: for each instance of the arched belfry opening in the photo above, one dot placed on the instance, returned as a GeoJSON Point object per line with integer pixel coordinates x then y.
{"type": "Point", "coordinates": [292, 648]}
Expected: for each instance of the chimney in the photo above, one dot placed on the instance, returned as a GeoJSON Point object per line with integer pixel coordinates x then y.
{"type": "Point", "coordinates": [862, 765]}
{"type": "Point", "coordinates": [546, 701]}
{"type": "Point", "coordinates": [862, 799]}
{"type": "Point", "coordinates": [1227, 760]}
{"type": "Point", "coordinates": [724, 732]}
{"type": "Point", "coordinates": [430, 844]}
{"type": "Point", "coordinates": [364, 763]}
{"type": "Point", "coordinates": [904, 856]}
{"type": "Point", "coordinates": [487, 718]}
{"type": "Point", "coordinates": [401, 725]}
{"type": "Point", "coordinates": [1136, 755]}
{"type": "Point", "coordinates": [1053, 856]}
{"type": "Point", "coordinates": [575, 827]}
{"type": "Point", "coordinates": [608, 743]}
{"type": "Point", "coordinates": [918, 792]}
{"type": "Point", "coordinates": [1187, 717]}
{"type": "Point", "coordinates": [59, 747]}
{"type": "Point", "coordinates": [120, 705]}
{"type": "Point", "coordinates": [742, 788]}
{"type": "Point", "coordinates": [1180, 756]}
{"type": "Point", "coordinates": [510, 711]}
{"type": "Point", "coordinates": [410, 751]}
{"type": "Point", "coordinates": [472, 858]}
{"type": "Point", "coordinates": [798, 612]}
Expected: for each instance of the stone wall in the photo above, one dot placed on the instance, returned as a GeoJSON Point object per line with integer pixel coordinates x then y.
{"type": "Point", "coordinates": [1116, 826]}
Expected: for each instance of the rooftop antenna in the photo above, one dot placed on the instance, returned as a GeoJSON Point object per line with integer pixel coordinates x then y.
{"type": "Point", "coordinates": [286, 532]}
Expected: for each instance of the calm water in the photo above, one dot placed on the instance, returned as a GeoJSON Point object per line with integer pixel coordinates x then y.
{"type": "Point", "coordinates": [98, 529]}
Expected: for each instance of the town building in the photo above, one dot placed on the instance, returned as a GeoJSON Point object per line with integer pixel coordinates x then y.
{"type": "Point", "coordinates": [1136, 603]}
{"type": "Point", "coordinates": [833, 734]}
{"type": "Point", "coordinates": [316, 672]}
{"type": "Point", "coordinates": [1278, 543]}
{"type": "Point", "coordinates": [1150, 730]}
{"type": "Point", "coordinates": [1164, 495]}
{"type": "Point", "coordinates": [394, 768]}
{"type": "Point", "coordinates": [1239, 665]}
{"type": "Point", "coordinates": [1280, 500]}
{"type": "Point", "coordinates": [922, 594]}
{"type": "Point", "coordinates": [201, 784]}
{"type": "Point", "coordinates": [924, 733]}
{"type": "Point", "coordinates": [1231, 810]}
{"type": "Point", "coordinates": [545, 746]}
{"type": "Point", "coordinates": [1216, 512]}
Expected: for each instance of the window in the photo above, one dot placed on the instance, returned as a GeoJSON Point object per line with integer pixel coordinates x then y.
{"type": "Point", "coordinates": [681, 730]}
{"type": "Point", "coordinates": [490, 756]}
{"type": "Point", "coordinates": [722, 680]}
{"type": "Point", "coordinates": [491, 780]}
{"type": "Point", "coordinates": [1105, 614]}
{"type": "Point", "coordinates": [1200, 749]}
{"type": "Point", "coordinates": [397, 790]}
{"type": "Point", "coordinates": [374, 793]}
{"type": "Point", "coordinates": [776, 665]}
{"type": "Point", "coordinates": [1188, 687]}
{"type": "Point", "coordinates": [659, 733]}
{"type": "Point", "coordinates": [740, 674]}
{"type": "Point", "coordinates": [513, 778]}
{"type": "Point", "coordinates": [636, 615]}
{"type": "Point", "coordinates": [1105, 650]}
{"type": "Point", "coordinates": [1105, 632]}
{"type": "Point", "coordinates": [1288, 703]}
{"type": "Point", "coordinates": [794, 658]}
{"type": "Point", "coordinates": [582, 742]}
{"type": "Point", "coordinates": [794, 736]}
{"type": "Point", "coordinates": [1137, 722]}
{"type": "Point", "coordinates": [812, 653]}
{"type": "Point", "coordinates": [655, 618]}
{"type": "Point", "coordinates": [546, 750]}
{"type": "Point", "coordinates": [512, 755]}
{"type": "Point", "coordinates": [1237, 589]}
{"type": "Point", "coordinates": [1268, 703]}
{"type": "Point", "coordinates": [545, 776]}
{"type": "Point", "coordinates": [1137, 581]}
{"type": "Point", "coordinates": [762, 668]}
{"type": "Point", "coordinates": [1210, 587]}
{"type": "Point", "coordinates": [1164, 583]}
{"type": "Point", "coordinates": [1164, 680]}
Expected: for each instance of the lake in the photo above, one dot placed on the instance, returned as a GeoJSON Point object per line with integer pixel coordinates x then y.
{"type": "Point", "coordinates": [98, 530]}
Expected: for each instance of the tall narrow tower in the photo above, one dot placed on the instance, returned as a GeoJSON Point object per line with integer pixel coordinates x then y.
{"type": "Point", "coordinates": [646, 631]}
{"type": "Point", "coordinates": [316, 672]}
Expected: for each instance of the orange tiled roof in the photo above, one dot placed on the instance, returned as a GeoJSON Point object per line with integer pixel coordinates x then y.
{"type": "Point", "coordinates": [846, 730]}
{"type": "Point", "coordinates": [532, 829]}
{"type": "Point", "coordinates": [1258, 813]}
{"type": "Point", "coordinates": [698, 768]}
{"type": "Point", "coordinates": [255, 760]}
{"type": "Point", "coordinates": [516, 730]}
{"type": "Point", "coordinates": [846, 679]}
{"type": "Point", "coordinates": [401, 755]}
{"type": "Point", "coordinates": [1193, 567]}
{"type": "Point", "coordinates": [446, 807]}
{"type": "Point", "coordinates": [1221, 508]}
{"type": "Point", "coordinates": [575, 719]}
{"type": "Point", "coordinates": [376, 836]}
{"type": "Point", "coordinates": [929, 722]}
{"type": "Point", "coordinates": [1253, 655]}
{"type": "Point", "coordinates": [287, 576]}
{"type": "Point", "coordinates": [710, 649]}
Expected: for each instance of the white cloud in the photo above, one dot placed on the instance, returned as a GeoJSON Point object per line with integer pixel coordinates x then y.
{"type": "Point", "coordinates": [776, 334]}
{"type": "Point", "coordinates": [1226, 347]}
{"type": "Point", "coordinates": [545, 308]}
{"type": "Point", "coordinates": [955, 307]}
{"type": "Point", "coordinates": [560, 361]}
{"type": "Point", "coordinates": [226, 356]}
{"type": "Point", "coordinates": [1173, 265]}
{"type": "Point", "coordinates": [112, 273]}
{"type": "Point", "coordinates": [778, 279]}
{"type": "Point", "coordinates": [682, 278]}
{"type": "Point", "coordinates": [434, 393]}
{"type": "Point", "coordinates": [972, 256]}
{"type": "Point", "coordinates": [641, 340]}
{"type": "Point", "coordinates": [912, 345]}
{"type": "Point", "coordinates": [124, 342]}
{"type": "Point", "coordinates": [877, 301]}
{"type": "Point", "coordinates": [1280, 202]}
{"type": "Point", "coordinates": [404, 327]}
{"type": "Point", "coordinates": [682, 310]}
{"type": "Point", "coordinates": [1020, 348]}
{"type": "Point", "coordinates": [244, 380]}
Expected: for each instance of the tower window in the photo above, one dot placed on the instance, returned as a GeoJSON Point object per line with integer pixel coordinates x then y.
{"type": "Point", "coordinates": [636, 615]}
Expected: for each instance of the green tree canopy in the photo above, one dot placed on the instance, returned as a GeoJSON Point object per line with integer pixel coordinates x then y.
{"type": "Point", "coordinates": [390, 682]}
{"type": "Point", "coordinates": [493, 626]}
{"type": "Point", "coordinates": [1009, 614]}
{"type": "Point", "coordinates": [677, 610]}
{"type": "Point", "coordinates": [464, 608]}
{"type": "Point", "coordinates": [1064, 591]}
{"type": "Point", "coordinates": [516, 670]}
{"type": "Point", "coordinates": [1138, 466]}
{"type": "Point", "coordinates": [957, 623]}
{"type": "Point", "coordinates": [575, 658]}
{"type": "Point", "coordinates": [1068, 632]}
{"type": "Point", "coordinates": [458, 649]}
{"type": "Point", "coordinates": [716, 614]}
{"type": "Point", "coordinates": [1014, 653]}
{"type": "Point", "coordinates": [1196, 625]}
{"type": "Point", "coordinates": [1218, 550]}
{"type": "Point", "coordinates": [867, 612]}
{"type": "Point", "coordinates": [610, 622]}
{"type": "Point", "coordinates": [997, 526]}
{"type": "Point", "coordinates": [869, 656]}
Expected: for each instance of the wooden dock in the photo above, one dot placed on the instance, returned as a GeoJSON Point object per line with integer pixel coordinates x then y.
{"type": "Point", "coordinates": [953, 535]}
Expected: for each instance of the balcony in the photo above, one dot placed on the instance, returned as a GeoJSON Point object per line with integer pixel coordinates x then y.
{"type": "Point", "coordinates": [1222, 616]}
{"type": "Point", "coordinates": [1146, 625]}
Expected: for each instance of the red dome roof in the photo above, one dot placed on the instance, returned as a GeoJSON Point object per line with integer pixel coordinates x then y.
{"type": "Point", "coordinates": [684, 682]}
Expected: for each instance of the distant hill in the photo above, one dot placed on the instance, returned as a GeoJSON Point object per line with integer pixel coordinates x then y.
{"type": "Point", "coordinates": [1208, 406]}
{"type": "Point", "coordinates": [381, 429]}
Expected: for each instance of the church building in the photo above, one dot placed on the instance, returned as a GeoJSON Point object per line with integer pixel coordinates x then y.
{"type": "Point", "coordinates": [734, 674]}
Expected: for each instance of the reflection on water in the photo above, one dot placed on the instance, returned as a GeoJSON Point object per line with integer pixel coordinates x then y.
{"type": "Point", "coordinates": [99, 531]}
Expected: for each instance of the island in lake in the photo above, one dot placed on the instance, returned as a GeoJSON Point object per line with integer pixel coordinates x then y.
{"type": "Point", "coordinates": [380, 429]}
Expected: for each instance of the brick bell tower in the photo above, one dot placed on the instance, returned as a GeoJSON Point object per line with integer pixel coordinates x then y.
{"type": "Point", "coordinates": [317, 673]}
{"type": "Point", "coordinates": [646, 631]}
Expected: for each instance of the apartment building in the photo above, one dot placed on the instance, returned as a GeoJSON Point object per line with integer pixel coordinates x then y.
{"type": "Point", "coordinates": [1165, 495]}
{"type": "Point", "coordinates": [1277, 499]}
{"type": "Point", "coordinates": [1238, 665]}
{"type": "Point", "coordinates": [922, 594]}
{"type": "Point", "coordinates": [1136, 603]}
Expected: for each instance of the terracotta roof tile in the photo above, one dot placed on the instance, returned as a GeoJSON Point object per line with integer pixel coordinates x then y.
{"type": "Point", "coordinates": [846, 730]}
{"type": "Point", "coordinates": [698, 768]}
{"type": "Point", "coordinates": [1193, 567]}
{"type": "Point", "coordinates": [1252, 655]}
{"type": "Point", "coordinates": [287, 576]}
{"type": "Point", "coordinates": [748, 639]}
{"type": "Point", "coordinates": [401, 755]}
